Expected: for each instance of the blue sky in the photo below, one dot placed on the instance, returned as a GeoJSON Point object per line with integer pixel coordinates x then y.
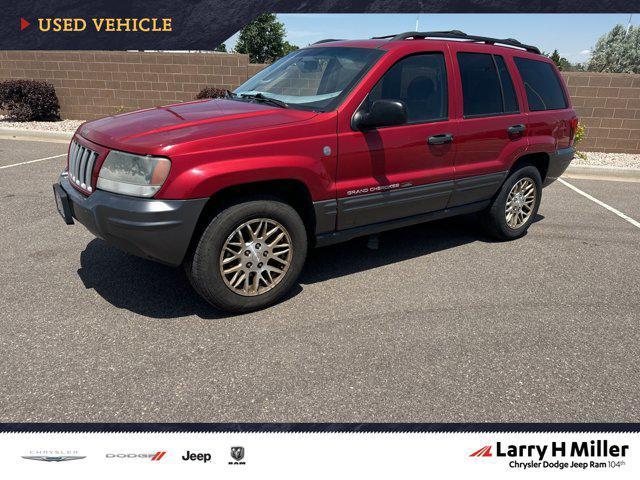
{"type": "Point", "coordinates": [572, 34]}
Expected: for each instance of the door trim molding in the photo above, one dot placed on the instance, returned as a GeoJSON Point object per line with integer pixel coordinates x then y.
{"type": "Point", "coordinates": [361, 210]}
{"type": "Point", "coordinates": [348, 234]}
{"type": "Point", "coordinates": [349, 217]}
{"type": "Point", "coordinates": [476, 188]}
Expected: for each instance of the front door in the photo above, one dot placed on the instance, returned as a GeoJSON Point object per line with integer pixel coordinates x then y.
{"type": "Point", "coordinates": [398, 171]}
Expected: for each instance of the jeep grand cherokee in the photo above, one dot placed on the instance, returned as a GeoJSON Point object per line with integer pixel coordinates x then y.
{"type": "Point", "coordinates": [334, 141]}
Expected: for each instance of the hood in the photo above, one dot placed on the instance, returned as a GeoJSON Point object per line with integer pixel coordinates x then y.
{"type": "Point", "coordinates": [153, 130]}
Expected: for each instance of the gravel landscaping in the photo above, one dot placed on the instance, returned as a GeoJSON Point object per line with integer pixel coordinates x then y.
{"type": "Point", "coordinates": [599, 159]}
{"type": "Point", "coordinates": [59, 126]}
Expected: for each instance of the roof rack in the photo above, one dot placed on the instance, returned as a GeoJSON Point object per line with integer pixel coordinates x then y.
{"type": "Point", "coordinates": [326, 40]}
{"type": "Point", "coordinates": [457, 34]}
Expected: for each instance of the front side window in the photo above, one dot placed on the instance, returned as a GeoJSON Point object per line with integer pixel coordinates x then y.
{"type": "Point", "coordinates": [544, 91]}
{"type": "Point", "coordinates": [312, 78]}
{"type": "Point", "coordinates": [487, 88]}
{"type": "Point", "coordinates": [420, 81]}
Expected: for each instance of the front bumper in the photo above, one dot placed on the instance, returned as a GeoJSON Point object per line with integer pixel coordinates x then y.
{"type": "Point", "coordinates": [558, 163]}
{"type": "Point", "coordinates": [156, 229]}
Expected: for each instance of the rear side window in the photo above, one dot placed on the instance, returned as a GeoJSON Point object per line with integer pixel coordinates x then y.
{"type": "Point", "coordinates": [420, 81]}
{"type": "Point", "coordinates": [487, 88]}
{"type": "Point", "coordinates": [544, 91]}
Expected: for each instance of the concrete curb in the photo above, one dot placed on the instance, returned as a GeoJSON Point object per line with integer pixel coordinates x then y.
{"type": "Point", "coordinates": [599, 172]}
{"type": "Point", "coordinates": [35, 135]}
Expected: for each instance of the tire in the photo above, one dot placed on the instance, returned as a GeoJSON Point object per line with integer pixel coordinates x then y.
{"type": "Point", "coordinates": [497, 221]}
{"type": "Point", "coordinates": [238, 238]}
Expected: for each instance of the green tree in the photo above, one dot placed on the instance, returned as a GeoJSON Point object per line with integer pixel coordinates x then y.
{"type": "Point", "coordinates": [617, 51]}
{"type": "Point", "coordinates": [562, 63]}
{"type": "Point", "coordinates": [221, 48]}
{"type": "Point", "coordinates": [263, 39]}
{"type": "Point", "coordinates": [288, 48]}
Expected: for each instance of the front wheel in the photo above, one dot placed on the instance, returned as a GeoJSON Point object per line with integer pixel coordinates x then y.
{"type": "Point", "coordinates": [250, 255]}
{"type": "Point", "coordinates": [515, 206]}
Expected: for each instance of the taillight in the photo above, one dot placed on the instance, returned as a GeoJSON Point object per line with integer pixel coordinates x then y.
{"type": "Point", "coordinates": [573, 125]}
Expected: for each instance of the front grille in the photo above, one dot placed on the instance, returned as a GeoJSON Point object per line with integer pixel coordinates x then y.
{"type": "Point", "coordinates": [81, 163]}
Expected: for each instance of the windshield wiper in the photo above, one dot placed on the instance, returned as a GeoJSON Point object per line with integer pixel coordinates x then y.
{"type": "Point", "coordinates": [262, 98]}
{"type": "Point", "coordinates": [229, 94]}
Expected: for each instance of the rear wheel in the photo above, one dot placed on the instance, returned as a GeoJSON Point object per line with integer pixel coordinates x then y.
{"type": "Point", "coordinates": [249, 256]}
{"type": "Point", "coordinates": [514, 208]}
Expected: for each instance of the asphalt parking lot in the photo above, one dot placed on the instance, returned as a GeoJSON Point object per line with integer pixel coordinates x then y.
{"type": "Point", "coordinates": [437, 324]}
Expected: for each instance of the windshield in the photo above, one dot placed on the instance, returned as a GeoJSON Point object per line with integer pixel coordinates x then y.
{"type": "Point", "coordinates": [312, 78]}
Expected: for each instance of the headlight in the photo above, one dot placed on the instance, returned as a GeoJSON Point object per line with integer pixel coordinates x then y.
{"type": "Point", "coordinates": [137, 175]}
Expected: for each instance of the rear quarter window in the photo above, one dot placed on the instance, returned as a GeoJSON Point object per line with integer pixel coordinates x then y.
{"type": "Point", "coordinates": [543, 87]}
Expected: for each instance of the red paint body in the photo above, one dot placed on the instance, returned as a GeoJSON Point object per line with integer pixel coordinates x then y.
{"type": "Point", "coordinates": [214, 144]}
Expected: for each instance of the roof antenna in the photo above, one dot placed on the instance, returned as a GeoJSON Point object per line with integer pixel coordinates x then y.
{"type": "Point", "coordinates": [417, 23]}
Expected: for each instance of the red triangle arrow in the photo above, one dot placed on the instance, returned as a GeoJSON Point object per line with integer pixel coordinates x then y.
{"type": "Point", "coordinates": [23, 24]}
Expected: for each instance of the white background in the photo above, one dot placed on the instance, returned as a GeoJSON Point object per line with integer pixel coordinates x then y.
{"type": "Point", "coordinates": [290, 455]}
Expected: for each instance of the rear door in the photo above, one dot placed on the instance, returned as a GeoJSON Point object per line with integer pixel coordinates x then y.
{"type": "Point", "coordinates": [492, 127]}
{"type": "Point", "coordinates": [394, 172]}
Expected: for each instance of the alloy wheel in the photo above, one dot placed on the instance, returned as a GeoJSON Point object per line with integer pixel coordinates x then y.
{"type": "Point", "coordinates": [520, 203]}
{"type": "Point", "coordinates": [256, 256]}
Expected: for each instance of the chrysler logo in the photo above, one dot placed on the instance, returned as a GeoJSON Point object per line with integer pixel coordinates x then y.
{"type": "Point", "coordinates": [53, 458]}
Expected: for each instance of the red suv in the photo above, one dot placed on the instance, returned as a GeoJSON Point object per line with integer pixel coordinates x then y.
{"type": "Point", "coordinates": [334, 141]}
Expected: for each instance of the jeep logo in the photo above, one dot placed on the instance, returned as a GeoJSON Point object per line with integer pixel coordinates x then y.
{"type": "Point", "coordinates": [196, 457]}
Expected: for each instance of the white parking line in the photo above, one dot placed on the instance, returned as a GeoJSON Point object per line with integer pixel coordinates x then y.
{"type": "Point", "coordinates": [33, 161]}
{"type": "Point", "coordinates": [602, 204]}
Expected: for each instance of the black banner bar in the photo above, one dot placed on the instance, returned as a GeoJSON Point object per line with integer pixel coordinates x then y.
{"type": "Point", "coordinates": [323, 427]}
{"type": "Point", "coordinates": [204, 24]}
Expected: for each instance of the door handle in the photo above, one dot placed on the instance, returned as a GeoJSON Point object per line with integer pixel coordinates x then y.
{"type": "Point", "coordinates": [516, 129]}
{"type": "Point", "coordinates": [440, 139]}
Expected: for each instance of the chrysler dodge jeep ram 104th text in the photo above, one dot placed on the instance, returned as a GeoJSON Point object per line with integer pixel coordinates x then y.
{"type": "Point", "coordinates": [333, 141]}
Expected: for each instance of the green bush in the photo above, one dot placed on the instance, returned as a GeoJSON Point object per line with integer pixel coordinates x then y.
{"type": "Point", "coordinates": [578, 137]}
{"type": "Point", "coordinates": [580, 133]}
{"type": "Point", "coordinates": [211, 92]}
{"type": "Point", "coordinates": [26, 100]}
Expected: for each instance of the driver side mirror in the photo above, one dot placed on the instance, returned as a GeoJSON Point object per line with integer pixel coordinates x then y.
{"type": "Point", "coordinates": [382, 113]}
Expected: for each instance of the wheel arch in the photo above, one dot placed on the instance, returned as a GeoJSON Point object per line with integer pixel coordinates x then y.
{"type": "Point", "coordinates": [540, 160]}
{"type": "Point", "coordinates": [291, 191]}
